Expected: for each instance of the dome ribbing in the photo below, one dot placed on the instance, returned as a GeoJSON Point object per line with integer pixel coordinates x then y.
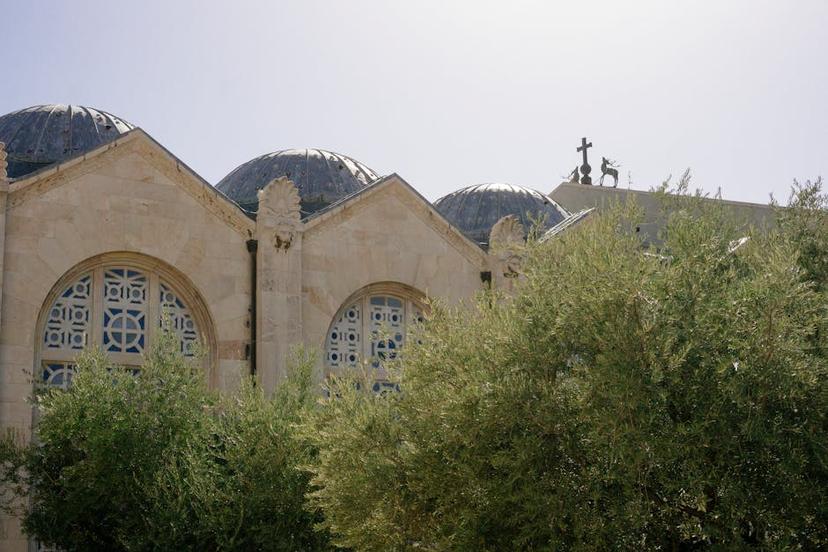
{"type": "Point", "coordinates": [43, 135]}
{"type": "Point", "coordinates": [321, 177]}
{"type": "Point", "coordinates": [476, 209]}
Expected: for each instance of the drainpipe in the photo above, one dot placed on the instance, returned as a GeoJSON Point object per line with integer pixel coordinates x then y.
{"type": "Point", "coordinates": [252, 248]}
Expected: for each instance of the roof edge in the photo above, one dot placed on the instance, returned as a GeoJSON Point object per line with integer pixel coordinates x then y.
{"type": "Point", "coordinates": [320, 217]}
{"type": "Point", "coordinates": [137, 133]}
{"type": "Point", "coordinates": [650, 192]}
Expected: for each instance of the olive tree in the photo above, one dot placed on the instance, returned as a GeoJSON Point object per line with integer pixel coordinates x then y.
{"type": "Point", "coordinates": [623, 398]}
{"type": "Point", "coordinates": [154, 460]}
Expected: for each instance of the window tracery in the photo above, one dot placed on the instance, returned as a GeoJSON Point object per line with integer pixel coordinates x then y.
{"type": "Point", "coordinates": [118, 308]}
{"type": "Point", "coordinates": [58, 374]}
{"type": "Point", "coordinates": [372, 328]}
{"type": "Point", "coordinates": [68, 321]}
{"type": "Point", "coordinates": [125, 304]}
{"type": "Point", "coordinates": [180, 320]}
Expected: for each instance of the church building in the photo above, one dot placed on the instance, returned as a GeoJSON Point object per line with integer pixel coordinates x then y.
{"type": "Point", "coordinates": [106, 235]}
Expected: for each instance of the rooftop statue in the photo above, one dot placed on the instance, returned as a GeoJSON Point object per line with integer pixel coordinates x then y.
{"type": "Point", "coordinates": [609, 168]}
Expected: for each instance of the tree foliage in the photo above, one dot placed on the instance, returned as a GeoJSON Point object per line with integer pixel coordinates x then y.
{"type": "Point", "coordinates": [806, 225]}
{"type": "Point", "coordinates": [625, 398]}
{"type": "Point", "coordinates": [153, 460]}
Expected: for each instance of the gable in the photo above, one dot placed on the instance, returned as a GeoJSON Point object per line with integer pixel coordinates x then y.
{"type": "Point", "coordinates": [389, 208]}
{"type": "Point", "coordinates": [127, 197]}
{"type": "Point", "coordinates": [387, 234]}
{"type": "Point", "coordinates": [133, 168]}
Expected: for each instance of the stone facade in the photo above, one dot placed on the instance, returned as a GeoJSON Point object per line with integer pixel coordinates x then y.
{"type": "Point", "coordinates": [252, 289]}
{"type": "Point", "coordinates": [131, 203]}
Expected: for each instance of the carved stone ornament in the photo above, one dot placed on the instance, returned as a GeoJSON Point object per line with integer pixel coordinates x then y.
{"type": "Point", "coordinates": [279, 216]}
{"type": "Point", "coordinates": [506, 237]}
{"type": "Point", "coordinates": [508, 231]}
{"type": "Point", "coordinates": [3, 163]}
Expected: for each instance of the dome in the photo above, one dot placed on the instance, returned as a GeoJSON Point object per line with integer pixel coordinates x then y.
{"type": "Point", "coordinates": [476, 209]}
{"type": "Point", "coordinates": [42, 135]}
{"type": "Point", "coordinates": [321, 177]}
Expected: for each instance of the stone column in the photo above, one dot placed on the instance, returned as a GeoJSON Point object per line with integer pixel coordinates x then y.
{"type": "Point", "coordinates": [505, 241]}
{"type": "Point", "coordinates": [279, 278]}
{"type": "Point", "coordinates": [4, 196]}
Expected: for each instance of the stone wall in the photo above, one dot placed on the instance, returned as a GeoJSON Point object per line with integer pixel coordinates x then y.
{"type": "Point", "coordinates": [390, 235]}
{"type": "Point", "coordinates": [123, 201]}
{"type": "Point", "coordinates": [132, 202]}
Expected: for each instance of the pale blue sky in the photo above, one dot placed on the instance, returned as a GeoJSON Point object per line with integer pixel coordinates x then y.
{"type": "Point", "coordinates": [448, 93]}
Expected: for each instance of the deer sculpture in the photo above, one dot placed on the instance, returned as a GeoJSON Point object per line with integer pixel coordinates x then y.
{"type": "Point", "coordinates": [609, 167]}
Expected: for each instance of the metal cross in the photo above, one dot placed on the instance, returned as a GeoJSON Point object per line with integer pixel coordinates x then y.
{"type": "Point", "coordinates": [585, 168]}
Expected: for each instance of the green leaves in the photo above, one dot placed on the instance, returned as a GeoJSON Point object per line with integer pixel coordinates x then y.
{"type": "Point", "coordinates": [623, 398]}
{"type": "Point", "coordinates": [156, 461]}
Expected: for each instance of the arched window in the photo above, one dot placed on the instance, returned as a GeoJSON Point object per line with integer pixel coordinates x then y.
{"type": "Point", "coordinates": [371, 328]}
{"type": "Point", "coordinates": [117, 307]}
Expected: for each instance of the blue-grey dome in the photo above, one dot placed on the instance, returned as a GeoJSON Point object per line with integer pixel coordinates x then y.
{"type": "Point", "coordinates": [42, 135]}
{"type": "Point", "coordinates": [321, 177]}
{"type": "Point", "coordinates": [476, 209]}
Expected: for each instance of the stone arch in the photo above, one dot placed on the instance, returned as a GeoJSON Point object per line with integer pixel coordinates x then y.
{"type": "Point", "coordinates": [372, 324]}
{"type": "Point", "coordinates": [80, 291]}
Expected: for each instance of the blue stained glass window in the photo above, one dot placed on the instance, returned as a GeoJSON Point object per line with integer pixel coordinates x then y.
{"type": "Point", "coordinates": [67, 324]}
{"type": "Point", "coordinates": [372, 328]}
{"type": "Point", "coordinates": [124, 294]}
{"type": "Point", "coordinates": [58, 374]}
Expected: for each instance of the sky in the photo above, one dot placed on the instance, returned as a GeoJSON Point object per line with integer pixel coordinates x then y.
{"type": "Point", "coordinates": [448, 93]}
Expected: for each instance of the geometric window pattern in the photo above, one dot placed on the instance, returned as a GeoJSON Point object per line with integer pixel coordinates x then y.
{"type": "Point", "coordinates": [58, 374]}
{"type": "Point", "coordinates": [345, 338]}
{"type": "Point", "coordinates": [372, 328]}
{"type": "Point", "coordinates": [176, 314]}
{"type": "Point", "coordinates": [122, 296]}
{"type": "Point", "coordinates": [386, 317]}
{"type": "Point", "coordinates": [67, 324]}
{"type": "Point", "coordinates": [125, 316]}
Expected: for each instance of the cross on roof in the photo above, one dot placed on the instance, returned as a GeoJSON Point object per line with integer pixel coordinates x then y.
{"type": "Point", "coordinates": [583, 147]}
{"type": "Point", "coordinates": [585, 168]}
